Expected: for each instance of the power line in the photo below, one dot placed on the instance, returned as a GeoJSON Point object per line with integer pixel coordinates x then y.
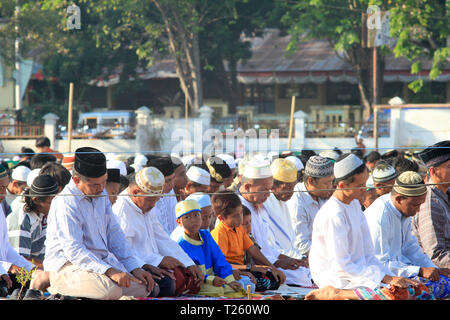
{"type": "Point", "coordinates": [218, 193]}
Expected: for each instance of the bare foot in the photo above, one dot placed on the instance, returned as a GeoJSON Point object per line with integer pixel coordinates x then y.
{"type": "Point", "coordinates": [325, 293]}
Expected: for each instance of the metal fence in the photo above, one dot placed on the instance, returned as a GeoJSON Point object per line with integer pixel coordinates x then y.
{"type": "Point", "coordinates": [21, 131]}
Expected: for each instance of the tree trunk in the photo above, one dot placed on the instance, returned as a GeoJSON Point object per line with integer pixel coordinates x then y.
{"type": "Point", "coordinates": [184, 46]}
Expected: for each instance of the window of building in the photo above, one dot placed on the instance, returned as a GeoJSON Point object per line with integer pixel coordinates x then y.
{"type": "Point", "coordinates": [300, 91]}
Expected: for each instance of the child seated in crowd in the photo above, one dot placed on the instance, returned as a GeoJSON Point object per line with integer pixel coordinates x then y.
{"type": "Point", "coordinates": [204, 201]}
{"type": "Point", "coordinates": [204, 251]}
{"type": "Point", "coordinates": [234, 241]}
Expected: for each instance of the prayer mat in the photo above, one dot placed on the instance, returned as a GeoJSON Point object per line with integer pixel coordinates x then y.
{"type": "Point", "coordinates": [395, 293]}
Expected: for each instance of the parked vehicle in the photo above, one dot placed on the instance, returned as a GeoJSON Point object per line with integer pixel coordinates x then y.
{"type": "Point", "coordinates": [118, 124]}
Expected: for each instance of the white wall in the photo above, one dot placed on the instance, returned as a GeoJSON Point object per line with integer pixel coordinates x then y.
{"type": "Point", "coordinates": [423, 127]}
{"type": "Point", "coordinates": [409, 128]}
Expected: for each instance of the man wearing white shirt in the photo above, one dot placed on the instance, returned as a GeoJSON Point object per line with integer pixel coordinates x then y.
{"type": "Point", "coordinates": [86, 251]}
{"type": "Point", "coordinates": [138, 218]}
{"type": "Point", "coordinates": [389, 221]}
{"type": "Point", "coordinates": [166, 205]}
{"type": "Point", "coordinates": [257, 182]}
{"type": "Point", "coordinates": [282, 233]}
{"type": "Point", "coordinates": [309, 196]}
{"type": "Point", "coordinates": [342, 254]}
{"type": "Point", "coordinates": [10, 260]}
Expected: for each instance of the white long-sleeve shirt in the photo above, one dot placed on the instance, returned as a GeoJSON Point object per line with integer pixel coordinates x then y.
{"type": "Point", "coordinates": [303, 209]}
{"type": "Point", "coordinates": [281, 232]}
{"type": "Point", "coordinates": [166, 212]}
{"type": "Point", "coordinates": [393, 242]}
{"type": "Point", "coordinates": [342, 253]}
{"type": "Point", "coordinates": [9, 256]}
{"type": "Point", "coordinates": [261, 233]}
{"type": "Point", "coordinates": [85, 232]}
{"type": "Point", "coordinates": [146, 235]}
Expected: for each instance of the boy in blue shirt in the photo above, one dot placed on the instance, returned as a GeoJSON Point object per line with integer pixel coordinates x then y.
{"type": "Point", "coordinates": [204, 251]}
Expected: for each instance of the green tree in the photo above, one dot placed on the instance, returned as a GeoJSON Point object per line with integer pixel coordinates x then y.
{"type": "Point", "coordinates": [224, 46]}
{"type": "Point", "coordinates": [420, 28]}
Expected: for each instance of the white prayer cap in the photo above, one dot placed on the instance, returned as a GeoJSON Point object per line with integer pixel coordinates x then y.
{"type": "Point", "coordinates": [204, 200]}
{"type": "Point", "coordinates": [228, 159]}
{"type": "Point", "coordinates": [32, 175]}
{"type": "Point", "coordinates": [241, 165]}
{"type": "Point", "coordinates": [187, 160]}
{"type": "Point", "coordinates": [116, 164]}
{"type": "Point", "coordinates": [176, 159]}
{"type": "Point", "coordinates": [199, 175]}
{"type": "Point", "coordinates": [330, 154]}
{"type": "Point", "coordinates": [298, 163]}
{"type": "Point", "coordinates": [140, 161]}
{"type": "Point", "coordinates": [257, 169]}
{"type": "Point", "coordinates": [346, 167]}
{"type": "Point", "coordinates": [20, 173]}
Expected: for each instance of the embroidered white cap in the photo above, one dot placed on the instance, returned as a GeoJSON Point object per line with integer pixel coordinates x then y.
{"type": "Point", "coordinates": [199, 175]}
{"type": "Point", "coordinates": [257, 169]}
{"type": "Point", "coordinates": [150, 180]}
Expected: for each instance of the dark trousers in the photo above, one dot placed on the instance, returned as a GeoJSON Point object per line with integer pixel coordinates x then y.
{"type": "Point", "coordinates": [166, 287]}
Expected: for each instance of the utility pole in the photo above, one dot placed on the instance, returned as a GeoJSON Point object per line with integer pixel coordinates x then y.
{"type": "Point", "coordinates": [18, 95]}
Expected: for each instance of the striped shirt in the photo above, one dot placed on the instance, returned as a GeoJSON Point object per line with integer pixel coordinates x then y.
{"type": "Point", "coordinates": [431, 226]}
{"type": "Point", "coordinates": [9, 256]}
{"type": "Point", "coordinates": [26, 232]}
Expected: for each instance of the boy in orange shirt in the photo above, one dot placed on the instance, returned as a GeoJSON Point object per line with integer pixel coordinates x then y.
{"type": "Point", "coordinates": [234, 242]}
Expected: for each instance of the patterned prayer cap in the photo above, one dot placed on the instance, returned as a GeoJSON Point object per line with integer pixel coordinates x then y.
{"type": "Point", "coordinates": [410, 184]}
{"type": "Point", "coordinates": [150, 180]}
{"type": "Point", "coordinates": [383, 172]}
{"type": "Point", "coordinates": [319, 167]}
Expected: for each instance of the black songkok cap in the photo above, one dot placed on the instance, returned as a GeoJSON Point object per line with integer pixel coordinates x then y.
{"type": "Point", "coordinates": [90, 162]}
{"type": "Point", "coordinates": [436, 154]}
{"type": "Point", "coordinates": [113, 175]}
{"type": "Point", "coordinates": [163, 164]}
{"type": "Point", "coordinates": [44, 185]}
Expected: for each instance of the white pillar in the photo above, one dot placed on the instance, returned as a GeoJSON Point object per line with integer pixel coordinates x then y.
{"type": "Point", "coordinates": [300, 130]}
{"type": "Point", "coordinates": [143, 129]}
{"type": "Point", "coordinates": [395, 131]}
{"type": "Point", "coordinates": [50, 127]}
